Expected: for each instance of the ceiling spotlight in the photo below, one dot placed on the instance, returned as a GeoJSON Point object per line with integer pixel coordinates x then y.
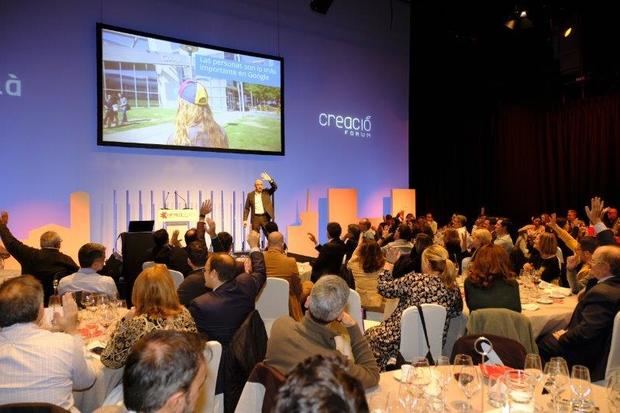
{"type": "Point", "coordinates": [568, 31]}
{"type": "Point", "coordinates": [511, 24]}
{"type": "Point", "coordinates": [523, 14]}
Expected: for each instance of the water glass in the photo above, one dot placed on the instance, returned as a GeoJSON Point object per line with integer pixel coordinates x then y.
{"type": "Point", "coordinates": [55, 306]}
{"type": "Point", "coordinates": [556, 380]}
{"type": "Point", "coordinates": [520, 387]}
{"type": "Point", "coordinates": [581, 388]}
{"type": "Point", "coordinates": [379, 403]}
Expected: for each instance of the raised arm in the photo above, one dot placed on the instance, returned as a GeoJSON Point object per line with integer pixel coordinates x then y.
{"type": "Point", "coordinates": [562, 234]}
{"type": "Point", "coordinates": [273, 187]}
{"type": "Point", "coordinates": [16, 248]}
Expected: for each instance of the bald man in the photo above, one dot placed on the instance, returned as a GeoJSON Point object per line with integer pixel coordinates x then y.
{"type": "Point", "coordinates": [281, 266]}
{"type": "Point", "coordinates": [259, 204]}
{"type": "Point", "coordinates": [592, 321]}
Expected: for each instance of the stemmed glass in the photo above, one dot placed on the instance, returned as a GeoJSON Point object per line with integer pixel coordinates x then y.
{"type": "Point", "coordinates": [88, 301]}
{"type": "Point", "coordinates": [420, 378]}
{"type": "Point", "coordinates": [581, 387]}
{"type": "Point", "coordinates": [443, 375]}
{"type": "Point", "coordinates": [533, 367]}
{"type": "Point", "coordinates": [556, 379]}
{"type": "Point", "coordinates": [469, 381]}
{"type": "Point", "coordinates": [55, 306]}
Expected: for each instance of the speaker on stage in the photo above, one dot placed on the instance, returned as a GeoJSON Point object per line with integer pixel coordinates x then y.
{"type": "Point", "coordinates": [135, 249]}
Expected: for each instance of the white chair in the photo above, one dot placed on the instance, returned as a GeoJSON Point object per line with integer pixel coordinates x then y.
{"type": "Point", "coordinates": [147, 264]}
{"type": "Point", "coordinates": [177, 277]}
{"type": "Point", "coordinates": [208, 402]}
{"type": "Point", "coordinates": [354, 308]}
{"type": "Point", "coordinates": [613, 360]}
{"type": "Point", "coordinates": [272, 303]}
{"type": "Point", "coordinates": [412, 343]}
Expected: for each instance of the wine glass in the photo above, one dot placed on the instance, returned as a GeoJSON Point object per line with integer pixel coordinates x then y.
{"type": "Point", "coordinates": [613, 391]}
{"type": "Point", "coordinates": [556, 378]}
{"type": "Point", "coordinates": [581, 386]}
{"type": "Point", "coordinates": [88, 301]}
{"type": "Point", "coordinates": [420, 378]}
{"type": "Point", "coordinates": [460, 360]}
{"type": "Point", "coordinates": [533, 367]}
{"type": "Point", "coordinates": [469, 381]}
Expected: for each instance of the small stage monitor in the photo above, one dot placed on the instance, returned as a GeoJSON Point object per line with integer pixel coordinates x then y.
{"type": "Point", "coordinates": [141, 226]}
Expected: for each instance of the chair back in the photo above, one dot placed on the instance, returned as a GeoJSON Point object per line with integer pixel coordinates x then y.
{"type": "Point", "coordinates": [260, 391]}
{"type": "Point", "coordinates": [510, 352]}
{"type": "Point", "coordinates": [207, 402]}
{"type": "Point", "coordinates": [613, 360]}
{"type": "Point", "coordinates": [412, 342]}
{"type": "Point", "coordinates": [354, 308]}
{"type": "Point", "coordinates": [177, 277]}
{"type": "Point", "coordinates": [272, 303]}
{"type": "Point", "coordinates": [505, 323]}
{"type": "Point", "coordinates": [147, 264]}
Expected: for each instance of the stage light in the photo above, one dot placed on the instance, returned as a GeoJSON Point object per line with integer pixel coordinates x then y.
{"type": "Point", "coordinates": [511, 23]}
{"type": "Point", "coordinates": [523, 14]}
{"type": "Point", "coordinates": [320, 6]}
{"type": "Point", "coordinates": [568, 31]}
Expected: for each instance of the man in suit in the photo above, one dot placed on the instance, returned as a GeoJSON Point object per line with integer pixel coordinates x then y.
{"type": "Point", "coordinates": [219, 313]}
{"type": "Point", "coordinates": [280, 266]}
{"type": "Point", "coordinates": [259, 205]}
{"type": "Point", "coordinates": [44, 264]}
{"type": "Point", "coordinates": [592, 321]}
{"type": "Point", "coordinates": [331, 254]}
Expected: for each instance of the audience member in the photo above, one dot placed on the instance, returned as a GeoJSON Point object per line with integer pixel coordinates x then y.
{"type": "Point", "coordinates": [491, 283]}
{"type": "Point", "coordinates": [400, 246]}
{"type": "Point", "coordinates": [280, 266]}
{"type": "Point", "coordinates": [321, 384]}
{"type": "Point", "coordinates": [220, 312]}
{"type": "Point", "coordinates": [502, 235]}
{"type": "Point", "coordinates": [174, 257]}
{"type": "Point", "coordinates": [351, 239]}
{"type": "Point", "coordinates": [38, 365]}
{"type": "Point", "coordinates": [44, 264]}
{"type": "Point", "coordinates": [194, 284]}
{"type": "Point", "coordinates": [365, 265]}
{"type": "Point", "coordinates": [413, 261]}
{"type": "Point", "coordinates": [156, 307]}
{"type": "Point", "coordinates": [291, 342]}
{"type": "Point", "coordinates": [165, 372]}
{"type": "Point", "coordinates": [546, 263]}
{"type": "Point", "coordinates": [436, 285]}
{"type": "Point", "coordinates": [91, 257]}
{"type": "Point", "coordinates": [331, 254]}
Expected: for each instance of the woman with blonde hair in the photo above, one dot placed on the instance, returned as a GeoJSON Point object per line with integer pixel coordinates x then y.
{"type": "Point", "coordinates": [156, 307]}
{"type": "Point", "coordinates": [436, 285]}
{"type": "Point", "coordinates": [195, 125]}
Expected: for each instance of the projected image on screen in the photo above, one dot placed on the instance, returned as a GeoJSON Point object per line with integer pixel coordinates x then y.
{"type": "Point", "coordinates": [161, 92]}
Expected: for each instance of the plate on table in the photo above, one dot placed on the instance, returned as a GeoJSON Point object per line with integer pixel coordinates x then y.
{"type": "Point", "coordinates": [557, 294]}
{"type": "Point", "coordinates": [544, 300]}
{"type": "Point", "coordinates": [398, 374]}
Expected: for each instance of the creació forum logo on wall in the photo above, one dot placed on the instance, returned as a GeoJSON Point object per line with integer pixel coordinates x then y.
{"type": "Point", "coordinates": [12, 86]}
{"type": "Point", "coordinates": [350, 125]}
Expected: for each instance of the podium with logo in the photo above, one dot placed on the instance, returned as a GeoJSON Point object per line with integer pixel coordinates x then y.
{"type": "Point", "coordinates": [176, 219]}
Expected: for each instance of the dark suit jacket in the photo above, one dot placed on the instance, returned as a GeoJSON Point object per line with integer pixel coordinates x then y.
{"type": "Point", "coordinates": [219, 313]}
{"type": "Point", "coordinates": [267, 204]}
{"type": "Point", "coordinates": [329, 260]}
{"type": "Point", "coordinates": [43, 264]}
{"type": "Point", "coordinates": [193, 286]}
{"type": "Point", "coordinates": [175, 258]}
{"type": "Point", "coordinates": [590, 328]}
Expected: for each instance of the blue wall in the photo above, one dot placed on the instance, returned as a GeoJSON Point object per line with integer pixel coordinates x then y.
{"type": "Point", "coordinates": [352, 62]}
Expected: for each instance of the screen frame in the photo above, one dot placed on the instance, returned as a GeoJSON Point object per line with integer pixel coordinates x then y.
{"type": "Point", "coordinates": [102, 142]}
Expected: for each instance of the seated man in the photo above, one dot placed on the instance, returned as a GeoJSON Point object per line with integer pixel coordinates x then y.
{"type": "Point", "coordinates": [92, 259]}
{"type": "Point", "coordinates": [400, 246]}
{"type": "Point", "coordinates": [44, 264]}
{"type": "Point", "coordinates": [323, 383]}
{"type": "Point", "coordinates": [194, 284]}
{"type": "Point", "coordinates": [592, 321]}
{"type": "Point", "coordinates": [219, 313]}
{"type": "Point", "coordinates": [281, 266]}
{"type": "Point", "coordinates": [164, 252]}
{"type": "Point", "coordinates": [502, 234]}
{"type": "Point", "coordinates": [331, 254]}
{"type": "Point", "coordinates": [38, 365]}
{"type": "Point", "coordinates": [291, 342]}
{"type": "Point", "coordinates": [165, 372]}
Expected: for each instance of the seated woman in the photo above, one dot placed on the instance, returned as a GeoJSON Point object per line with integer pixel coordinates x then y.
{"type": "Point", "coordinates": [436, 285]}
{"type": "Point", "coordinates": [491, 283]}
{"type": "Point", "coordinates": [546, 263]}
{"type": "Point", "coordinates": [156, 306]}
{"type": "Point", "coordinates": [365, 264]}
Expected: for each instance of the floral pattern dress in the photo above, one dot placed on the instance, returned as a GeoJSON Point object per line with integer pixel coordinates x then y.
{"type": "Point", "coordinates": [411, 289]}
{"type": "Point", "coordinates": [129, 331]}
